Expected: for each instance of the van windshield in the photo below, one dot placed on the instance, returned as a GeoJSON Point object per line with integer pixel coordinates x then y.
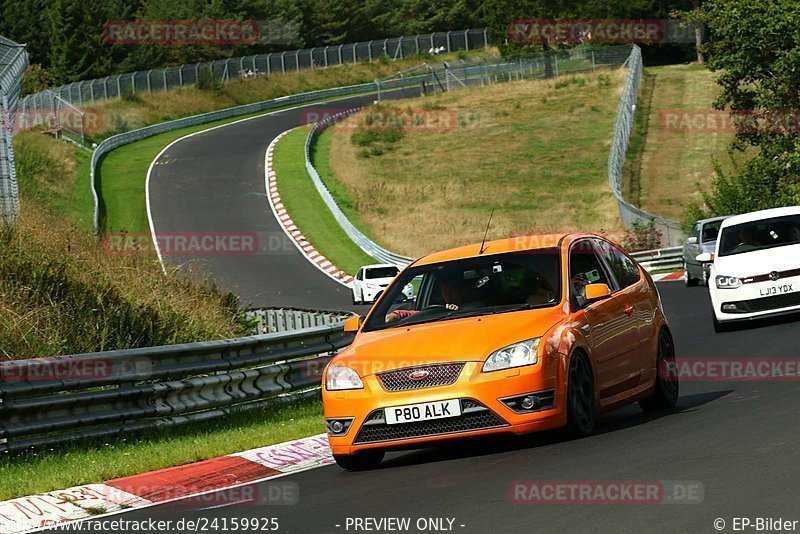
{"type": "Point", "coordinates": [760, 235]}
{"type": "Point", "coordinates": [482, 285]}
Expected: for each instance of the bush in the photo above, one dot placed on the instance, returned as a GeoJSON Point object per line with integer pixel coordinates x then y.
{"type": "Point", "coordinates": [771, 179]}
{"type": "Point", "coordinates": [642, 236]}
{"type": "Point", "coordinates": [36, 79]}
{"type": "Point", "coordinates": [206, 81]}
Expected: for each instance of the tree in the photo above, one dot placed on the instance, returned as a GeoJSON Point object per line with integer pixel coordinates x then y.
{"type": "Point", "coordinates": [755, 47]}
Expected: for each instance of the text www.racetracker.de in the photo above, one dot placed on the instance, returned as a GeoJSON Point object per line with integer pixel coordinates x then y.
{"type": "Point", "coordinates": [201, 524]}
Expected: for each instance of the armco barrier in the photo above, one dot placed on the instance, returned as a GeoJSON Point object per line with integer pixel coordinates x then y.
{"type": "Point", "coordinates": [661, 259]}
{"type": "Point", "coordinates": [366, 244]}
{"type": "Point", "coordinates": [272, 320]}
{"type": "Point", "coordinates": [56, 400]}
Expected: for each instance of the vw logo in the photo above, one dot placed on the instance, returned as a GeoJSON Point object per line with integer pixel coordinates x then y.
{"type": "Point", "coordinates": [774, 275]}
{"type": "Point", "coordinates": [419, 374]}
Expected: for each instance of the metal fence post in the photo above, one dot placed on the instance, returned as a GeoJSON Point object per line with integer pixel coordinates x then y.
{"type": "Point", "coordinates": [466, 40]}
{"type": "Point", "coordinates": [448, 41]}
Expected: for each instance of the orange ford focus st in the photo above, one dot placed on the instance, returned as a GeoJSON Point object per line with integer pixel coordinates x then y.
{"type": "Point", "coordinates": [516, 336]}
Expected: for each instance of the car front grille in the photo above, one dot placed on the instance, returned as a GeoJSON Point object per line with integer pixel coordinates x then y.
{"type": "Point", "coordinates": [769, 277]}
{"type": "Point", "coordinates": [438, 375]}
{"type": "Point", "coordinates": [474, 416]}
{"type": "Point", "coordinates": [776, 302]}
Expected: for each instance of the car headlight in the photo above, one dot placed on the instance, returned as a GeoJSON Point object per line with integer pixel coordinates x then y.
{"type": "Point", "coordinates": [516, 355]}
{"type": "Point", "coordinates": [728, 282]}
{"type": "Point", "coordinates": [340, 377]}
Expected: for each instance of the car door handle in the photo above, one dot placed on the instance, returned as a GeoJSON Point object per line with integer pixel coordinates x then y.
{"type": "Point", "coordinates": [628, 310]}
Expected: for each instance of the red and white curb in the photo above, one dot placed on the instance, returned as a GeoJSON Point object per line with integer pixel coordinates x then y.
{"type": "Point", "coordinates": [668, 277]}
{"type": "Point", "coordinates": [37, 512]}
{"type": "Point", "coordinates": [279, 210]}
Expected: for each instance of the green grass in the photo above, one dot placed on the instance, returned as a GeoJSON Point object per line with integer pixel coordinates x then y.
{"type": "Point", "coordinates": [123, 172]}
{"type": "Point", "coordinates": [320, 158]}
{"type": "Point", "coordinates": [667, 167]}
{"type": "Point", "coordinates": [55, 175]}
{"type": "Point", "coordinates": [32, 473]}
{"type": "Point", "coordinates": [534, 151]}
{"type": "Point", "coordinates": [306, 207]}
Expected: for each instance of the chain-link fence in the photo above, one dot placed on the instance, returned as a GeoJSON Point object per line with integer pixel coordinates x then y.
{"type": "Point", "coordinates": [670, 230]}
{"type": "Point", "coordinates": [485, 71]}
{"type": "Point", "coordinates": [148, 81]}
{"type": "Point", "coordinates": [13, 62]}
{"type": "Point", "coordinates": [56, 115]}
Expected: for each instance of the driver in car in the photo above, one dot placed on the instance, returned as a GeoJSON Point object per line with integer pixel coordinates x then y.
{"type": "Point", "coordinates": [453, 295]}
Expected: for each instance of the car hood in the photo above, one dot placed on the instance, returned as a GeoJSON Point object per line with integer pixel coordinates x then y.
{"type": "Point", "coordinates": [758, 262]}
{"type": "Point", "coordinates": [455, 340]}
{"type": "Point", "coordinates": [379, 281]}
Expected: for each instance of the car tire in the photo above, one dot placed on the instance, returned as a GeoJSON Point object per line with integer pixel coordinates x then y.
{"type": "Point", "coordinates": [581, 409]}
{"type": "Point", "coordinates": [690, 282]}
{"type": "Point", "coordinates": [667, 389]}
{"type": "Point", "coordinates": [362, 461]}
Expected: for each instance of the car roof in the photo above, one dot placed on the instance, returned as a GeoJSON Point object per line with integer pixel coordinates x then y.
{"type": "Point", "coordinates": [712, 219]}
{"type": "Point", "coordinates": [499, 246]}
{"type": "Point", "coordinates": [759, 215]}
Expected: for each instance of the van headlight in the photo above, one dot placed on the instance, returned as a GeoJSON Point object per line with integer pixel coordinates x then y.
{"type": "Point", "coordinates": [516, 355]}
{"type": "Point", "coordinates": [728, 282]}
{"type": "Point", "coordinates": [339, 377]}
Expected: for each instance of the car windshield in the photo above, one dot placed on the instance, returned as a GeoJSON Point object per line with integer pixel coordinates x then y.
{"type": "Point", "coordinates": [711, 231]}
{"type": "Point", "coordinates": [475, 286]}
{"type": "Point", "coordinates": [760, 235]}
{"type": "Point", "coordinates": [381, 272]}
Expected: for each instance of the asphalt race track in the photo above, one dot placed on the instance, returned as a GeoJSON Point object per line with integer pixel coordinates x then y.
{"type": "Point", "coordinates": [213, 183]}
{"type": "Point", "coordinates": [739, 439]}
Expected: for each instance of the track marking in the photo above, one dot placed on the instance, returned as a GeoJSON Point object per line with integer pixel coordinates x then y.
{"type": "Point", "coordinates": [305, 248]}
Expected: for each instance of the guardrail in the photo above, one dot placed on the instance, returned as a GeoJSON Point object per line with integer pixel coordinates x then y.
{"type": "Point", "coordinates": [57, 400]}
{"type": "Point", "coordinates": [661, 259]}
{"type": "Point", "coordinates": [370, 247]}
{"type": "Point", "coordinates": [271, 320]}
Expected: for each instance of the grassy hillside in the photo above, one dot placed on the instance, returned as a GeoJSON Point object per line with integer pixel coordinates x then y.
{"type": "Point", "coordinates": [669, 164]}
{"type": "Point", "coordinates": [536, 151]}
{"type": "Point", "coordinates": [63, 292]}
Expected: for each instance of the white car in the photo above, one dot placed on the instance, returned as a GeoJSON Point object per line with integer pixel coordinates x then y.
{"type": "Point", "coordinates": [371, 280]}
{"type": "Point", "coordinates": [756, 266]}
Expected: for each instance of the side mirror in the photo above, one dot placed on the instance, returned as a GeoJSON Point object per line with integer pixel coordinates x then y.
{"type": "Point", "coordinates": [705, 257]}
{"type": "Point", "coordinates": [353, 324]}
{"type": "Point", "coordinates": [691, 240]}
{"type": "Point", "coordinates": [597, 291]}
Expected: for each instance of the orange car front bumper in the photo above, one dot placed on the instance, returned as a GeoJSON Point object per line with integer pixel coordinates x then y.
{"type": "Point", "coordinates": [477, 391]}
